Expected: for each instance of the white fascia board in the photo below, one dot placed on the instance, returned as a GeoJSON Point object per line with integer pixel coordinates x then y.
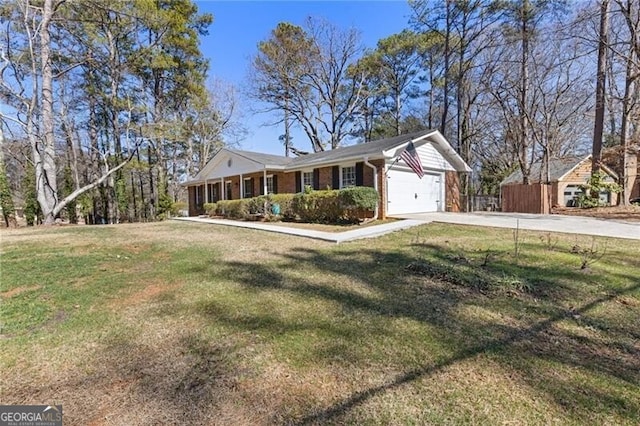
{"type": "Point", "coordinates": [192, 183]}
{"type": "Point", "coordinates": [440, 143]}
{"type": "Point", "coordinates": [394, 152]}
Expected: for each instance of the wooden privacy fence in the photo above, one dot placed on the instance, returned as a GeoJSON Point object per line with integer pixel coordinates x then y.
{"type": "Point", "coordinates": [520, 198]}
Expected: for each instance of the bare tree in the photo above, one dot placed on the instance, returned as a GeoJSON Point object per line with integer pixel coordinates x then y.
{"type": "Point", "coordinates": [307, 73]}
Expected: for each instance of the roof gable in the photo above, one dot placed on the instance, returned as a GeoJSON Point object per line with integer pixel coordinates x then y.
{"type": "Point", "coordinates": [559, 168]}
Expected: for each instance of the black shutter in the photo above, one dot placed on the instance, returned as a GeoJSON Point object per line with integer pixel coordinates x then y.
{"type": "Point", "coordinates": [298, 182]}
{"type": "Point", "coordinates": [261, 185]}
{"type": "Point", "coordinates": [316, 179]}
{"type": "Point", "coordinates": [359, 173]}
{"type": "Point", "coordinates": [336, 177]}
{"type": "Point", "coordinates": [275, 184]}
{"type": "Point", "coordinates": [253, 187]}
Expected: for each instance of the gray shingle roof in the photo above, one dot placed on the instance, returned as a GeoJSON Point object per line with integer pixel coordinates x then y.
{"type": "Point", "coordinates": [557, 168]}
{"type": "Point", "coordinates": [258, 157]}
{"type": "Point", "coordinates": [358, 150]}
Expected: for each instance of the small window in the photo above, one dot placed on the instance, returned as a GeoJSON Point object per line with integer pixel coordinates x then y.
{"type": "Point", "coordinates": [248, 188]}
{"type": "Point", "coordinates": [270, 188]}
{"type": "Point", "coordinates": [348, 176]}
{"type": "Point", "coordinates": [307, 180]}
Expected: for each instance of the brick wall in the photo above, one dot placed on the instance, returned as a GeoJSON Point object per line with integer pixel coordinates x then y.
{"type": "Point", "coordinates": [286, 183]}
{"type": "Point", "coordinates": [326, 178]}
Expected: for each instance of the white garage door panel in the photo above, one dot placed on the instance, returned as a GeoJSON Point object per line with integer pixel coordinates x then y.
{"type": "Point", "coordinates": [407, 193]}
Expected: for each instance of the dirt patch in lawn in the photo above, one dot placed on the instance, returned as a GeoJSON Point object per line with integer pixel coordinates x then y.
{"type": "Point", "coordinates": [621, 213]}
{"type": "Point", "coordinates": [18, 290]}
{"type": "Point", "coordinates": [146, 294]}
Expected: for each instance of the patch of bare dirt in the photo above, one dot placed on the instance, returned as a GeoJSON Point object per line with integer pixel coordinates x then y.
{"type": "Point", "coordinates": [149, 292]}
{"type": "Point", "coordinates": [18, 290]}
{"type": "Point", "coordinates": [621, 213]}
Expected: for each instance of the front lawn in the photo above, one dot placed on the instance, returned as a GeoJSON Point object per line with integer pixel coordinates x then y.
{"type": "Point", "coordinates": [185, 323]}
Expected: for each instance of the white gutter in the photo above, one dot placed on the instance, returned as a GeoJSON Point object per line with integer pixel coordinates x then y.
{"type": "Point", "coordinates": [375, 185]}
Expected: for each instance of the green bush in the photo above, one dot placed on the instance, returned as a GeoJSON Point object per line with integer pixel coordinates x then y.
{"type": "Point", "coordinates": [334, 206]}
{"type": "Point", "coordinates": [357, 200]}
{"type": "Point", "coordinates": [318, 206]}
{"type": "Point", "coordinates": [210, 209]}
{"type": "Point", "coordinates": [285, 201]}
{"type": "Point", "coordinates": [330, 206]}
{"type": "Point", "coordinates": [233, 209]}
{"type": "Point", "coordinates": [590, 196]}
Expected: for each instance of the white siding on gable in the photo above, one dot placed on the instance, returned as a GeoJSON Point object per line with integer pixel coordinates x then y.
{"type": "Point", "coordinates": [221, 168]}
{"type": "Point", "coordinates": [432, 159]}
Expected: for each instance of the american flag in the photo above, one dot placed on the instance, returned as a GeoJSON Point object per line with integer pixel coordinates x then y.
{"type": "Point", "coordinates": [411, 157]}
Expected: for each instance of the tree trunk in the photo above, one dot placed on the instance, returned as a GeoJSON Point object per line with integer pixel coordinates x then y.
{"type": "Point", "coordinates": [46, 182]}
{"type": "Point", "coordinates": [598, 126]}
{"type": "Point", "coordinates": [447, 70]}
{"type": "Point", "coordinates": [524, 125]}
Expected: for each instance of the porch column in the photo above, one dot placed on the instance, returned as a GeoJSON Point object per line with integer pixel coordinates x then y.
{"type": "Point", "coordinates": [264, 181]}
{"type": "Point", "coordinates": [222, 189]}
{"type": "Point", "coordinates": [206, 192]}
{"type": "Point", "coordinates": [241, 186]}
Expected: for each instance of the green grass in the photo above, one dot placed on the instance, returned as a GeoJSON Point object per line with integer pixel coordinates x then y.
{"type": "Point", "coordinates": [188, 323]}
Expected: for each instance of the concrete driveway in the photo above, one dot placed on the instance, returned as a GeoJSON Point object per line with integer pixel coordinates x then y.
{"type": "Point", "coordinates": [537, 222]}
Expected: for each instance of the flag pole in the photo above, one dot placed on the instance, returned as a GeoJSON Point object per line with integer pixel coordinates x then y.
{"type": "Point", "coordinates": [392, 164]}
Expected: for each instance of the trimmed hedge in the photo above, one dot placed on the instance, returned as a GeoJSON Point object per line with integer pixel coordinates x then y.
{"type": "Point", "coordinates": [210, 209]}
{"type": "Point", "coordinates": [335, 206]}
{"type": "Point", "coordinates": [329, 206]}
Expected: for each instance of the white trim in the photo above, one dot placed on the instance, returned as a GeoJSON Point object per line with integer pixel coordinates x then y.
{"type": "Point", "coordinates": [355, 174]}
{"type": "Point", "coordinates": [244, 187]}
{"type": "Point", "coordinates": [302, 172]}
{"type": "Point", "coordinates": [264, 181]}
{"type": "Point", "coordinates": [266, 186]}
{"type": "Point", "coordinates": [375, 184]}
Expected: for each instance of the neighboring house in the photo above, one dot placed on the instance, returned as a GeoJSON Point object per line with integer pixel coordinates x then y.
{"type": "Point", "coordinates": [565, 176]}
{"type": "Point", "coordinates": [233, 174]}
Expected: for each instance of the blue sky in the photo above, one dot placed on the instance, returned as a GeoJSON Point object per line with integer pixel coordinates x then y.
{"type": "Point", "coordinates": [239, 26]}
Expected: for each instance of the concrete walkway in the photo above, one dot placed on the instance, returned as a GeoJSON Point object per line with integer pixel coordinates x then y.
{"type": "Point", "coordinates": [537, 222]}
{"type": "Point", "coordinates": [534, 222]}
{"type": "Point", "coordinates": [335, 237]}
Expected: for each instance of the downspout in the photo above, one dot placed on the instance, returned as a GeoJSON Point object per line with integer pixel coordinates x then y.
{"type": "Point", "coordinates": [375, 185]}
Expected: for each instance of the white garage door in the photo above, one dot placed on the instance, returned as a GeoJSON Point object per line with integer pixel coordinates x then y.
{"type": "Point", "coordinates": [407, 193]}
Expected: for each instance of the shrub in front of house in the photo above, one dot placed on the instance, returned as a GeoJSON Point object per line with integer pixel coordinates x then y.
{"type": "Point", "coordinates": [596, 184]}
{"type": "Point", "coordinates": [335, 206]}
{"type": "Point", "coordinates": [318, 206]}
{"type": "Point", "coordinates": [285, 202]}
{"type": "Point", "coordinates": [210, 209]}
{"type": "Point", "coordinates": [232, 209]}
{"type": "Point", "coordinates": [328, 206]}
{"type": "Point", "coordinates": [357, 200]}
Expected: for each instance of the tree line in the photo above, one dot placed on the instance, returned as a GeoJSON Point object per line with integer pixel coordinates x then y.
{"type": "Point", "coordinates": [509, 82]}
{"type": "Point", "coordinates": [106, 107]}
